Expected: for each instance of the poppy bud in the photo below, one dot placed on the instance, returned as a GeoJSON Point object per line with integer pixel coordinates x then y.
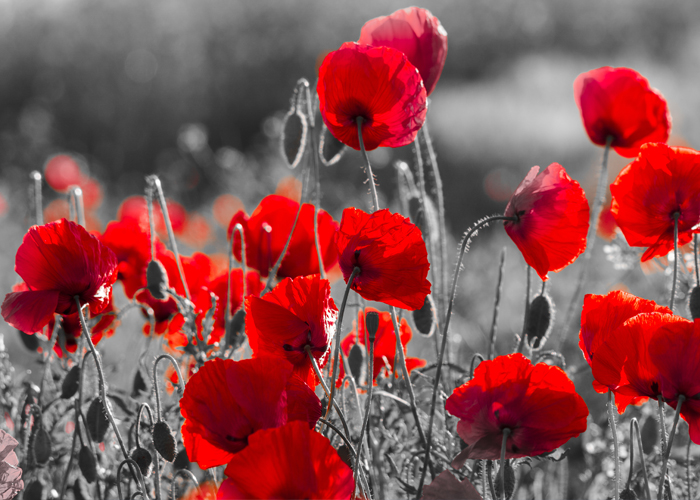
{"type": "Point", "coordinates": [356, 361]}
{"type": "Point", "coordinates": [41, 446]}
{"type": "Point", "coordinates": [424, 318]}
{"type": "Point", "coordinates": [509, 479]}
{"type": "Point", "coordinates": [182, 461]}
{"type": "Point", "coordinates": [372, 324]}
{"type": "Point", "coordinates": [97, 421]}
{"type": "Point", "coordinates": [234, 329]}
{"type": "Point", "coordinates": [157, 280]}
{"type": "Point", "coordinates": [344, 455]}
{"type": "Point", "coordinates": [33, 491]}
{"type": "Point", "coordinates": [139, 384]}
{"type": "Point", "coordinates": [29, 340]}
{"type": "Point", "coordinates": [164, 441]}
{"type": "Point", "coordinates": [539, 320]}
{"type": "Point", "coordinates": [294, 131]}
{"type": "Point", "coordinates": [87, 464]}
{"type": "Point", "coordinates": [80, 491]}
{"type": "Point", "coordinates": [628, 494]}
{"type": "Point", "coordinates": [694, 302]}
{"type": "Point", "coordinates": [71, 383]}
{"type": "Point", "coordinates": [144, 460]}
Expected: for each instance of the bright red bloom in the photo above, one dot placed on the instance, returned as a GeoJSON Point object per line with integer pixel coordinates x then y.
{"type": "Point", "coordinates": [620, 103]}
{"type": "Point", "coordinates": [267, 230]}
{"type": "Point", "coordinates": [59, 261]}
{"type": "Point", "coordinates": [660, 182]}
{"type": "Point", "coordinates": [539, 404]}
{"type": "Point", "coordinates": [378, 84]}
{"type": "Point", "coordinates": [296, 313]}
{"type": "Point", "coordinates": [384, 344]}
{"type": "Point", "coordinates": [391, 255]}
{"type": "Point", "coordinates": [226, 401]}
{"type": "Point", "coordinates": [288, 462]}
{"type": "Point", "coordinates": [675, 351]}
{"type": "Point", "coordinates": [552, 224]}
{"type": "Point", "coordinates": [415, 32]}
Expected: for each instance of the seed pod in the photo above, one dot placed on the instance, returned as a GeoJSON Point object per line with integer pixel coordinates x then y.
{"type": "Point", "coordinates": [71, 383]}
{"type": "Point", "coordinates": [41, 446]}
{"type": "Point", "coordinates": [97, 421]}
{"type": "Point", "coordinates": [157, 280]}
{"type": "Point", "coordinates": [628, 494]}
{"type": "Point", "coordinates": [144, 460]}
{"type": "Point", "coordinates": [509, 477]}
{"type": "Point", "coordinates": [694, 302]}
{"type": "Point", "coordinates": [372, 324]}
{"type": "Point", "coordinates": [539, 320]}
{"type": "Point", "coordinates": [356, 362]}
{"type": "Point", "coordinates": [164, 441]}
{"type": "Point", "coordinates": [424, 318]}
{"type": "Point", "coordinates": [293, 140]}
{"type": "Point", "coordinates": [234, 330]}
{"type": "Point", "coordinates": [80, 490]}
{"type": "Point", "coordinates": [33, 491]}
{"type": "Point", "coordinates": [182, 461]}
{"type": "Point", "coordinates": [87, 463]}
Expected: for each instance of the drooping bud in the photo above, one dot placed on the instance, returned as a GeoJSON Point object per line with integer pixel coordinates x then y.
{"type": "Point", "coordinates": [628, 494]}
{"type": "Point", "coordinates": [33, 491]}
{"type": "Point", "coordinates": [71, 383]}
{"type": "Point", "coordinates": [694, 302]}
{"type": "Point", "coordinates": [356, 362]}
{"type": "Point", "coordinates": [144, 460]}
{"type": "Point", "coordinates": [424, 318]}
{"type": "Point", "coordinates": [372, 324]}
{"type": "Point", "coordinates": [540, 319]}
{"type": "Point", "coordinates": [80, 490]}
{"type": "Point", "coordinates": [164, 441]}
{"type": "Point", "coordinates": [182, 461]}
{"type": "Point", "coordinates": [344, 454]}
{"type": "Point", "coordinates": [157, 280]}
{"type": "Point", "coordinates": [97, 420]}
{"type": "Point", "coordinates": [41, 446]}
{"type": "Point", "coordinates": [87, 464]}
{"type": "Point", "coordinates": [29, 340]}
{"type": "Point", "coordinates": [509, 478]}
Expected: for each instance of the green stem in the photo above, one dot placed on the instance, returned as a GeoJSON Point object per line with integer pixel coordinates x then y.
{"type": "Point", "coordinates": [38, 206]}
{"type": "Point", "coordinates": [368, 408]}
{"type": "Point", "coordinates": [675, 258]}
{"type": "Point", "coordinates": [616, 450]}
{"type": "Point", "coordinates": [527, 310]}
{"type": "Point", "coordinates": [634, 433]}
{"type": "Point", "coordinates": [502, 470]}
{"type": "Point", "coordinates": [491, 348]}
{"type": "Point", "coordinates": [370, 175]}
{"type": "Point", "coordinates": [667, 454]}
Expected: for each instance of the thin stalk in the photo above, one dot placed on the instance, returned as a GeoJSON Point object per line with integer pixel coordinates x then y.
{"type": "Point", "coordinates": [186, 475]}
{"type": "Point", "coordinates": [527, 309]}
{"type": "Point", "coordinates": [76, 198]}
{"type": "Point", "coordinates": [484, 482]}
{"type": "Point", "coordinates": [448, 314]}
{"type": "Point", "coordinates": [90, 444]}
{"type": "Point", "coordinates": [616, 450]}
{"type": "Point", "coordinates": [317, 202]}
{"type": "Point", "coordinates": [662, 422]}
{"type": "Point", "coordinates": [634, 431]}
{"type": "Point", "coordinates": [38, 207]}
{"type": "Point", "coordinates": [137, 476]}
{"type": "Point", "coordinates": [675, 258]}
{"type": "Point", "coordinates": [151, 220]}
{"type": "Point", "coordinates": [336, 349]}
{"type": "Point", "coordinates": [494, 322]}
{"type": "Point", "coordinates": [687, 467]}
{"type": "Point", "coordinates": [489, 476]}
{"type": "Point", "coordinates": [695, 254]}
{"type": "Point", "coordinates": [667, 454]}
{"type": "Point", "coordinates": [370, 175]}
{"type": "Point", "coordinates": [368, 409]}
{"type": "Point", "coordinates": [238, 228]}
{"type": "Point", "coordinates": [502, 470]}
{"type": "Point", "coordinates": [156, 472]}
{"type": "Point", "coordinates": [180, 380]}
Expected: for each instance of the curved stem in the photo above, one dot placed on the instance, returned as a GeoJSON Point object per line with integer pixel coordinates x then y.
{"type": "Point", "coordinates": [370, 175]}
{"type": "Point", "coordinates": [635, 434]}
{"type": "Point", "coordinates": [502, 469]}
{"type": "Point", "coordinates": [494, 322]}
{"type": "Point", "coordinates": [180, 381]}
{"type": "Point", "coordinates": [38, 206]}
{"type": "Point", "coordinates": [472, 366]}
{"type": "Point", "coordinates": [527, 309]}
{"type": "Point", "coordinates": [187, 475]}
{"type": "Point", "coordinates": [675, 259]}
{"type": "Point", "coordinates": [667, 454]}
{"type": "Point", "coordinates": [137, 475]}
{"type": "Point", "coordinates": [616, 450]}
{"type": "Point", "coordinates": [445, 329]}
{"type": "Point", "coordinates": [156, 473]}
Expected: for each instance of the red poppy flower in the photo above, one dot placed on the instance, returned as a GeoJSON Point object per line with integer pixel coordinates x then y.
{"type": "Point", "coordinates": [660, 182]}
{"type": "Point", "coordinates": [135, 208]}
{"type": "Point", "coordinates": [552, 224]}
{"type": "Point", "coordinates": [267, 230]}
{"type": "Point", "coordinates": [539, 405]}
{"type": "Point", "coordinates": [391, 255]}
{"type": "Point", "coordinates": [297, 313]}
{"type": "Point", "coordinates": [226, 401]}
{"type": "Point", "coordinates": [618, 102]}
{"type": "Point", "coordinates": [602, 315]}
{"type": "Point", "coordinates": [59, 261]}
{"type": "Point", "coordinates": [291, 462]}
{"type": "Point", "coordinates": [384, 344]}
{"type": "Point", "coordinates": [61, 172]}
{"type": "Point", "coordinates": [415, 32]}
{"type": "Point", "coordinates": [378, 84]}
{"type": "Point", "coordinates": [675, 351]}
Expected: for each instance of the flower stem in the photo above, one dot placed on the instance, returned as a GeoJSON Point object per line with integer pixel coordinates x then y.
{"type": "Point", "coordinates": [494, 322]}
{"type": "Point", "coordinates": [180, 381]}
{"type": "Point", "coordinates": [368, 406]}
{"type": "Point", "coordinates": [336, 349]}
{"type": "Point", "coordinates": [317, 175]}
{"type": "Point", "coordinates": [370, 175]}
{"type": "Point", "coordinates": [76, 200]}
{"type": "Point", "coordinates": [238, 228]}
{"type": "Point", "coordinates": [616, 450]}
{"type": "Point", "coordinates": [38, 207]}
{"type": "Point", "coordinates": [695, 254]}
{"type": "Point", "coordinates": [527, 309]}
{"type": "Point", "coordinates": [687, 467]}
{"type": "Point", "coordinates": [675, 259]}
{"type": "Point", "coordinates": [445, 329]}
{"type": "Point", "coordinates": [667, 454]}
{"type": "Point", "coordinates": [502, 469]}
{"type": "Point", "coordinates": [635, 434]}
{"type": "Point", "coordinates": [662, 422]}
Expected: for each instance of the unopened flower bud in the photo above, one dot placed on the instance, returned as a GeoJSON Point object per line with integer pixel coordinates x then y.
{"type": "Point", "coordinates": [182, 461]}
{"type": "Point", "coordinates": [139, 385]}
{"type": "Point", "coordinates": [424, 318]}
{"type": "Point", "coordinates": [539, 320]}
{"type": "Point", "coordinates": [29, 340]}
{"type": "Point", "coordinates": [157, 280]}
{"type": "Point", "coordinates": [694, 302]}
{"type": "Point", "coordinates": [41, 446]}
{"type": "Point", "coordinates": [144, 460]}
{"type": "Point", "coordinates": [33, 491]}
{"type": "Point", "coordinates": [97, 420]}
{"type": "Point", "coordinates": [356, 362]}
{"type": "Point", "coordinates": [628, 494]}
{"type": "Point", "coordinates": [80, 490]}
{"type": "Point", "coordinates": [372, 324]}
{"type": "Point", "coordinates": [71, 383]}
{"type": "Point", "coordinates": [87, 463]}
{"type": "Point", "coordinates": [164, 441]}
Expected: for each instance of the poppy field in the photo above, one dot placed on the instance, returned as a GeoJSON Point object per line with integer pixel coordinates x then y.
{"type": "Point", "coordinates": [321, 356]}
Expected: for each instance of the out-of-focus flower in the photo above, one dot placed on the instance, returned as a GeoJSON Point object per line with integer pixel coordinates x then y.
{"type": "Point", "coordinates": [378, 84]}
{"type": "Point", "coordinates": [61, 172]}
{"type": "Point", "coordinates": [646, 195]}
{"type": "Point", "coordinates": [552, 225]}
{"type": "Point", "coordinates": [10, 474]}
{"type": "Point", "coordinates": [135, 208]}
{"type": "Point", "coordinates": [391, 254]}
{"type": "Point", "coordinates": [225, 207]}
{"type": "Point", "coordinates": [618, 102]}
{"type": "Point", "coordinates": [418, 34]}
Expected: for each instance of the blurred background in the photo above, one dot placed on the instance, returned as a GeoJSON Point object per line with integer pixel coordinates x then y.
{"type": "Point", "coordinates": [196, 91]}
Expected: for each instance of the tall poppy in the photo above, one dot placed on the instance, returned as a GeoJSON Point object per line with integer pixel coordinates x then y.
{"type": "Point", "coordinates": [552, 219]}
{"type": "Point", "coordinates": [619, 102]}
{"type": "Point", "coordinates": [538, 403]}
{"type": "Point", "coordinates": [59, 261]}
{"type": "Point", "coordinates": [378, 84]}
{"type": "Point", "coordinates": [415, 32]}
{"type": "Point", "coordinates": [267, 230]}
{"type": "Point", "coordinates": [297, 313]}
{"type": "Point", "coordinates": [291, 462]}
{"type": "Point", "coordinates": [661, 182]}
{"type": "Point", "coordinates": [226, 401]}
{"type": "Point", "coordinates": [391, 254]}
